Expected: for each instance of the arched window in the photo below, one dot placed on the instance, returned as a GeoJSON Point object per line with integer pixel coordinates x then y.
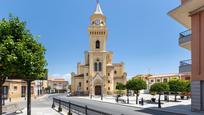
{"type": "Point", "coordinates": [95, 66]}
{"type": "Point", "coordinates": [97, 44]}
{"type": "Point", "coordinates": [100, 66]}
{"type": "Point", "coordinates": [115, 72]}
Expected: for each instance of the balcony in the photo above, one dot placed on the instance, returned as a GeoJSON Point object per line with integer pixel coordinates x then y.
{"type": "Point", "coordinates": [182, 12]}
{"type": "Point", "coordinates": [185, 66]}
{"type": "Point", "coordinates": [185, 39]}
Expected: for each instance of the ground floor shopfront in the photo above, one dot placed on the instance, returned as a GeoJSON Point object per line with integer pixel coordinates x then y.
{"type": "Point", "coordinates": [16, 89]}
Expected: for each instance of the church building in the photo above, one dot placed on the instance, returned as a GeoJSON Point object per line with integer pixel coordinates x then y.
{"type": "Point", "coordinates": [98, 75]}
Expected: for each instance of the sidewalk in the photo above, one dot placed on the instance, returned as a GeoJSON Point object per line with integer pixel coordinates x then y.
{"type": "Point", "coordinates": [7, 102]}
{"type": "Point", "coordinates": [35, 110]}
{"type": "Point", "coordinates": [182, 107]}
{"type": "Point", "coordinates": [41, 111]}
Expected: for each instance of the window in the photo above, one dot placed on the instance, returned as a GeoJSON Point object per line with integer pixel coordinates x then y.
{"type": "Point", "coordinates": [108, 74]}
{"type": "Point", "coordinates": [32, 90]}
{"type": "Point", "coordinates": [87, 74]}
{"type": "Point", "coordinates": [87, 88]}
{"type": "Point", "coordinates": [115, 72]}
{"type": "Point", "coordinates": [187, 78]}
{"type": "Point", "coordinates": [5, 92]}
{"type": "Point", "coordinates": [100, 66]}
{"type": "Point", "coordinates": [79, 84]}
{"type": "Point", "coordinates": [158, 80]}
{"type": "Point", "coordinates": [108, 88]}
{"type": "Point", "coordinates": [15, 88]}
{"type": "Point", "coordinates": [95, 66]}
{"type": "Point", "coordinates": [87, 81]}
{"type": "Point", "coordinates": [165, 80]}
{"type": "Point", "coordinates": [23, 91]}
{"type": "Point", "coordinates": [108, 81]}
{"type": "Point", "coordinates": [97, 44]}
{"type": "Point", "coordinates": [152, 80]}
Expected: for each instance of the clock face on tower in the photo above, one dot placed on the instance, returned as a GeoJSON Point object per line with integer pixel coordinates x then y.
{"type": "Point", "coordinates": [97, 21]}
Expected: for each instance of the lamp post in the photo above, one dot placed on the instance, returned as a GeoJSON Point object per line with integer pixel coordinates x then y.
{"type": "Point", "coordinates": [101, 93]}
{"type": "Point", "coordinates": [127, 96]}
{"type": "Point", "coordinates": [159, 103]}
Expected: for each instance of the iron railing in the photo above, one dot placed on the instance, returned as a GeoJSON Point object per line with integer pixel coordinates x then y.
{"type": "Point", "coordinates": [185, 36]}
{"type": "Point", "coordinates": [74, 108]}
{"type": "Point", "coordinates": [185, 66]}
{"type": "Point", "coordinates": [186, 62]}
{"type": "Point", "coordinates": [80, 93]}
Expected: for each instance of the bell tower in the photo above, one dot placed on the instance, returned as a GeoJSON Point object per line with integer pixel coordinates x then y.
{"type": "Point", "coordinates": [97, 30]}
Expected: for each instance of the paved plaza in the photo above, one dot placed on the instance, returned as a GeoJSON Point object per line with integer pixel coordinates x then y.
{"type": "Point", "coordinates": [42, 105]}
{"type": "Point", "coordinates": [180, 107]}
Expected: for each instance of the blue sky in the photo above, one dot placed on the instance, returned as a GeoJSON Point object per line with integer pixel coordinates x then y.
{"type": "Point", "coordinates": [141, 34]}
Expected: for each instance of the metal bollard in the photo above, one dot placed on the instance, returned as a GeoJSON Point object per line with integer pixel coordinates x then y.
{"type": "Point", "coordinates": [53, 103]}
{"type": "Point", "coordinates": [86, 112]}
{"type": "Point", "coordinates": [69, 112]}
{"type": "Point", "coordinates": [142, 101]}
{"type": "Point", "coordinates": [60, 108]}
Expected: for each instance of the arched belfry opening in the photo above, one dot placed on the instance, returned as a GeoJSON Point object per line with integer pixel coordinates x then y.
{"type": "Point", "coordinates": [97, 44]}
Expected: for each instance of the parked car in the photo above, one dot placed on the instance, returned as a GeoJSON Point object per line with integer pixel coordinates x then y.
{"type": "Point", "coordinates": [69, 94]}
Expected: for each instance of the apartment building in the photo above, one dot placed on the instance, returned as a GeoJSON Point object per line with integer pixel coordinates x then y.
{"type": "Point", "coordinates": [164, 78]}
{"type": "Point", "coordinates": [16, 89]}
{"type": "Point", "coordinates": [190, 13]}
{"type": "Point", "coordinates": [40, 87]}
{"type": "Point", "coordinates": [57, 85]}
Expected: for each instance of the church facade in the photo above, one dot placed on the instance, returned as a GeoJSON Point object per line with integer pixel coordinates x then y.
{"type": "Point", "coordinates": [98, 75]}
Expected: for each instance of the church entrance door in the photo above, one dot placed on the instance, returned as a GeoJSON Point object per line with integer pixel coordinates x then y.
{"type": "Point", "coordinates": [98, 90]}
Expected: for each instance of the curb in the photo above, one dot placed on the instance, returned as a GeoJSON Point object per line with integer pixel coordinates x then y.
{"type": "Point", "coordinates": [140, 107]}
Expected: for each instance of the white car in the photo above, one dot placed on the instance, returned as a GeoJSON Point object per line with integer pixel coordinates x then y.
{"type": "Point", "coordinates": [69, 94]}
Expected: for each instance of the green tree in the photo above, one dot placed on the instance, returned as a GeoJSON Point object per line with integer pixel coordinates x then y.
{"type": "Point", "coordinates": [136, 85]}
{"type": "Point", "coordinates": [186, 87]}
{"type": "Point", "coordinates": [21, 55]}
{"type": "Point", "coordinates": [120, 87]}
{"type": "Point", "coordinates": [175, 86]}
{"type": "Point", "coordinates": [139, 76]}
{"type": "Point", "coordinates": [159, 88]}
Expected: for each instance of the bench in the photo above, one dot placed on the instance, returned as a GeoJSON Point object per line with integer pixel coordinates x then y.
{"type": "Point", "coordinates": [12, 108]}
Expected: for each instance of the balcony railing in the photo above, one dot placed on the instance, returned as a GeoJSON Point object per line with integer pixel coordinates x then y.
{"type": "Point", "coordinates": [185, 66]}
{"type": "Point", "coordinates": [185, 36]}
{"type": "Point", "coordinates": [185, 62]}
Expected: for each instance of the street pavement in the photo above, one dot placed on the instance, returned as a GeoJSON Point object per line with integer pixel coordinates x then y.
{"type": "Point", "coordinates": [42, 106]}
{"type": "Point", "coordinates": [113, 109]}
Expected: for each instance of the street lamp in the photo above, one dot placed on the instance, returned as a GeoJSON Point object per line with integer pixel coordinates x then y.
{"type": "Point", "coordinates": [127, 96]}
{"type": "Point", "coordinates": [159, 103]}
{"type": "Point", "coordinates": [101, 93]}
